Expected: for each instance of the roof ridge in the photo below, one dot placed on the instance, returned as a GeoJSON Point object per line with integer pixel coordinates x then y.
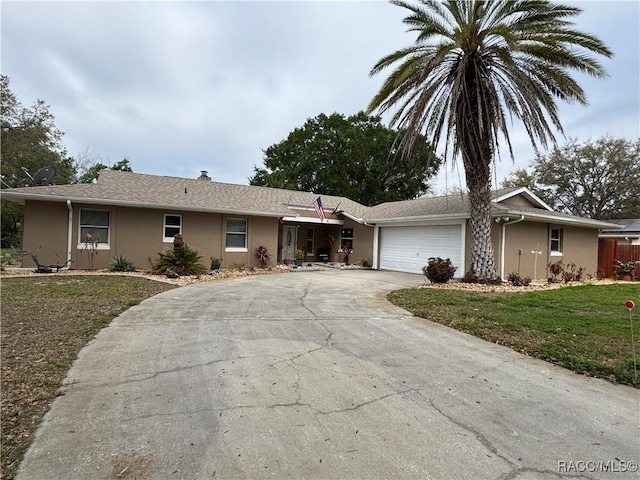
{"type": "Point", "coordinates": [239, 185]}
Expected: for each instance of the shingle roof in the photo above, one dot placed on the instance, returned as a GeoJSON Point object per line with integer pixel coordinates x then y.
{"type": "Point", "coordinates": [456, 204]}
{"type": "Point", "coordinates": [627, 226]}
{"type": "Point", "coordinates": [173, 193]}
{"type": "Point", "coordinates": [153, 191]}
{"type": "Point", "coordinates": [426, 206]}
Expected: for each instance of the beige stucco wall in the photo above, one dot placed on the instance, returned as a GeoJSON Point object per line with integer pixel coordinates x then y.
{"type": "Point", "coordinates": [362, 241]}
{"type": "Point", "coordinates": [579, 246]}
{"type": "Point", "coordinates": [45, 227]}
{"type": "Point", "coordinates": [521, 239]}
{"type": "Point", "coordinates": [262, 231]}
{"type": "Point", "coordinates": [138, 234]}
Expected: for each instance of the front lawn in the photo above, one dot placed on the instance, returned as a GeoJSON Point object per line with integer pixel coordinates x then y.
{"type": "Point", "coordinates": [46, 320]}
{"type": "Point", "coordinates": [584, 328]}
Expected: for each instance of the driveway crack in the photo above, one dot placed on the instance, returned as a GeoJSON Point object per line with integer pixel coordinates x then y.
{"type": "Point", "coordinates": [479, 436]}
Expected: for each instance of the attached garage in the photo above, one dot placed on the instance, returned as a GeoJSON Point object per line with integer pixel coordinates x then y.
{"type": "Point", "coordinates": [408, 248]}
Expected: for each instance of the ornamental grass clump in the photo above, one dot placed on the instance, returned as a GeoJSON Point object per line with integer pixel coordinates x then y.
{"type": "Point", "coordinates": [439, 270]}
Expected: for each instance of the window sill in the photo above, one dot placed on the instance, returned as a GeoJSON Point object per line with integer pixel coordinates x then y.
{"type": "Point", "coordinates": [100, 246]}
{"type": "Point", "coordinates": [555, 254]}
{"type": "Point", "coordinates": [236, 249]}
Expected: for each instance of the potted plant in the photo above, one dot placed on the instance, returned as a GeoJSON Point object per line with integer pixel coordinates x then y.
{"type": "Point", "coordinates": [625, 270]}
{"type": "Point", "coordinates": [215, 263]}
{"type": "Point", "coordinates": [298, 255]}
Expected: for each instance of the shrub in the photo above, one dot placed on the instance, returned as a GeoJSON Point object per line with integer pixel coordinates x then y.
{"type": "Point", "coordinates": [439, 270]}
{"type": "Point", "coordinates": [573, 273]}
{"type": "Point", "coordinates": [182, 260]}
{"type": "Point", "coordinates": [471, 277]}
{"type": "Point", "coordinates": [566, 273]}
{"type": "Point", "coordinates": [516, 280]}
{"type": "Point", "coordinates": [364, 263]}
{"type": "Point", "coordinates": [556, 270]}
{"type": "Point", "coordinates": [263, 255]}
{"type": "Point", "coordinates": [625, 269]}
{"type": "Point", "coordinates": [120, 263]}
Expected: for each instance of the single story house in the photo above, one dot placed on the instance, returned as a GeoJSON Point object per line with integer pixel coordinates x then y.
{"type": "Point", "coordinates": [137, 215]}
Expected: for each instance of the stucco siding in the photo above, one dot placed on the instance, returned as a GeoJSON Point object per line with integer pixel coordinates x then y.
{"type": "Point", "coordinates": [45, 229]}
{"type": "Point", "coordinates": [521, 239]}
{"type": "Point", "coordinates": [580, 246]}
{"type": "Point", "coordinates": [362, 241]}
{"type": "Point", "coordinates": [262, 231]}
{"type": "Point", "coordinates": [138, 234]}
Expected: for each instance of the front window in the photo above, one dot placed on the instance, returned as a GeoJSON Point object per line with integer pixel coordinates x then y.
{"type": "Point", "coordinates": [309, 242]}
{"type": "Point", "coordinates": [236, 235]}
{"type": "Point", "coordinates": [94, 227]}
{"type": "Point", "coordinates": [556, 241]}
{"type": "Point", "coordinates": [346, 238]}
{"type": "Point", "coordinates": [172, 227]}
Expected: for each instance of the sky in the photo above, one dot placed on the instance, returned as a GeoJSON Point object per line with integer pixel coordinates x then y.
{"type": "Point", "coordinates": [180, 87]}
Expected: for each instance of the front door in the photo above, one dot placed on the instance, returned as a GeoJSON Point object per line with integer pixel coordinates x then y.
{"type": "Point", "coordinates": [289, 242]}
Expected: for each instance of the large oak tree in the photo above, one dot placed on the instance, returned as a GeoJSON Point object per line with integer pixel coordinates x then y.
{"type": "Point", "coordinates": [473, 67]}
{"type": "Point", "coordinates": [351, 156]}
{"type": "Point", "coordinates": [595, 179]}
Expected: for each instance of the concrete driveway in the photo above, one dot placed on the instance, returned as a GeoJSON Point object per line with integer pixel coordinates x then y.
{"type": "Point", "coordinates": [315, 375]}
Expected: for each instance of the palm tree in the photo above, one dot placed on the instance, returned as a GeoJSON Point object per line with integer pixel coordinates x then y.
{"type": "Point", "coordinates": [473, 67]}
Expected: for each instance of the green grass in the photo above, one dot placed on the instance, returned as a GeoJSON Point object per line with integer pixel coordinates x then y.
{"type": "Point", "coordinates": [46, 320]}
{"type": "Point", "coordinates": [584, 328]}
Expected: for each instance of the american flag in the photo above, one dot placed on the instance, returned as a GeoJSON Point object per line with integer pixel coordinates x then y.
{"type": "Point", "coordinates": [318, 206]}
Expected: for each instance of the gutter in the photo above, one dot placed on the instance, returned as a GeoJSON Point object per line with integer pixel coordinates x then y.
{"type": "Point", "coordinates": [565, 220]}
{"type": "Point", "coordinates": [69, 235]}
{"type": "Point", "coordinates": [502, 247]}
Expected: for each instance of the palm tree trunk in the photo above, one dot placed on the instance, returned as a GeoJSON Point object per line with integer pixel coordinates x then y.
{"type": "Point", "coordinates": [482, 255]}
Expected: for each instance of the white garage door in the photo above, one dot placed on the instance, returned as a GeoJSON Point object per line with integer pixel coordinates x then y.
{"type": "Point", "coordinates": [408, 249]}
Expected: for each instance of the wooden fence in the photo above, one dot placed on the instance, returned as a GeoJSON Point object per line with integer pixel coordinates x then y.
{"type": "Point", "coordinates": [609, 250]}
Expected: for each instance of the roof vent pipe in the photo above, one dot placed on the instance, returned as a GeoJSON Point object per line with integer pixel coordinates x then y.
{"type": "Point", "coordinates": [204, 175]}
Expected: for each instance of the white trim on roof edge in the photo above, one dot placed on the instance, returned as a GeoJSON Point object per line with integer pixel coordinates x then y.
{"type": "Point", "coordinates": [573, 220]}
{"type": "Point", "coordinates": [532, 196]}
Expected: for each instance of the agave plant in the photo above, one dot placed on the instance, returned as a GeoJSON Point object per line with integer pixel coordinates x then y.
{"type": "Point", "coordinates": [120, 263]}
